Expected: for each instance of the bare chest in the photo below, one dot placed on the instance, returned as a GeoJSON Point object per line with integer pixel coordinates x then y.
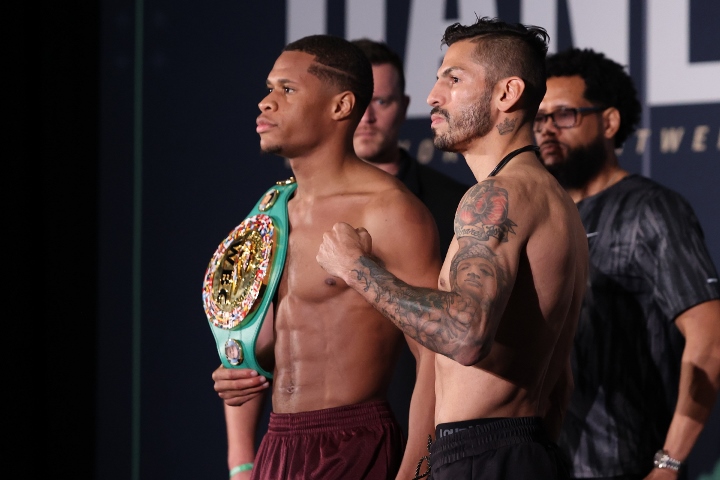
{"type": "Point", "coordinates": [303, 279]}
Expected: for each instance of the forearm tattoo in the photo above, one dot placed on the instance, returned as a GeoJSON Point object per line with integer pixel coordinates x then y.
{"type": "Point", "coordinates": [451, 322]}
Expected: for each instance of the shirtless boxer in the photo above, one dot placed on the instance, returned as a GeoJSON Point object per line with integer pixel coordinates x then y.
{"type": "Point", "coordinates": [334, 352]}
{"type": "Point", "coordinates": [512, 283]}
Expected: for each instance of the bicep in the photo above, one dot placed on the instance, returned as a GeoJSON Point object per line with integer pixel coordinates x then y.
{"type": "Point", "coordinates": [700, 325]}
{"type": "Point", "coordinates": [486, 224]}
{"type": "Point", "coordinates": [491, 239]}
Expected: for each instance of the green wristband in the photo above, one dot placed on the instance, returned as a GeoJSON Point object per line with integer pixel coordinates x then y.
{"type": "Point", "coordinates": [241, 468]}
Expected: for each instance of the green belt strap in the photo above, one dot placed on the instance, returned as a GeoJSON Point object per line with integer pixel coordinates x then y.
{"type": "Point", "coordinates": [243, 275]}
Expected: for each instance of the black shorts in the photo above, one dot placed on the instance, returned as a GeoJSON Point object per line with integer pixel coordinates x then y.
{"type": "Point", "coordinates": [494, 449]}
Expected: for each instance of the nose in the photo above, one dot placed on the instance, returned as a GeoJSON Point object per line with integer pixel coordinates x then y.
{"type": "Point", "coordinates": [543, 124]}
{"type": "Point", "coordinates": [548, 123]}
{"type": "Point", "coordinates": [547, 128]}
{"type": "Point", "coordinates": [369, 115]}
{"type": "Point", "coordinates": [267, 103]}
{"type": "Point", "coordinates": [434, 98]}
{"type": "Point", "coordinates": [473, 272]}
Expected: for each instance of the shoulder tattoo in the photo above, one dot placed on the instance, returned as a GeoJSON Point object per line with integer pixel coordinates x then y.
{"type": "Point", "coordinates": [483, 213]}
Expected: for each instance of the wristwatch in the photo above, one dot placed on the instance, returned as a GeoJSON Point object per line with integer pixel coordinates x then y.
{"type": "Point", "coordinates": [663, 460]}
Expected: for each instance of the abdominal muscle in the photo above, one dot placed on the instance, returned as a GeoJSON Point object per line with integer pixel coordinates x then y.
{"type": "Point", "coordinates": [339, 351]}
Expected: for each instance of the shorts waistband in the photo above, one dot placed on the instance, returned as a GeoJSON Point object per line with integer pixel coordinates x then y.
{"type": "Point", "coordinates": [459, 439]}
{"type": "Point", "coordinates": [329, 419]}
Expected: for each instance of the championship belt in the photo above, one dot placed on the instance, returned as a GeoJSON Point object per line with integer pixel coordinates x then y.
{"type": "Point", "coordinates": [243, 275]}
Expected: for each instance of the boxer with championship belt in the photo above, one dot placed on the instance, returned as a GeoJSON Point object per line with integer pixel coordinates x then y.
{"type": "Point", "coordinates": [243, 275]}
{"type": "Point", "coordinates": [334, 352]}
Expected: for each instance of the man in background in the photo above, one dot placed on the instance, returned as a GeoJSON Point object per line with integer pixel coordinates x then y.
{"type": "Point", "coordinates": [646, 359]}
{"type": "Point", "coordinates": [376, 141]}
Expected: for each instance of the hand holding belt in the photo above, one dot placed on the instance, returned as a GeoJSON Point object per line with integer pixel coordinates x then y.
{"type": "Point", "coordinates": [243, 275]}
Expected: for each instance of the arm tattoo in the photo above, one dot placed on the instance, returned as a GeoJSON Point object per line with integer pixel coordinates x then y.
{"type": "Point", "coordinates": [453, 323]}
{"type": "Point", "coordinates": [438, 320]}
{"type": "Point", "coordinates": [483, 213]}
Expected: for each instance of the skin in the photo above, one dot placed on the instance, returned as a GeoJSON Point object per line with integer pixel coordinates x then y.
{"type": "Point", "coordinates": [700, 368]}
{"type": "Point", "coordinates": [331, 347]}
{"type": "Point", "coordinates": [376, 138]}
{"type": "Point", "coordinates": [504, 341]}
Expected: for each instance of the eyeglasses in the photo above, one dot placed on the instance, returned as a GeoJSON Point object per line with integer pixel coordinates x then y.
{"type": "Point", "coordinates": [563, 117]}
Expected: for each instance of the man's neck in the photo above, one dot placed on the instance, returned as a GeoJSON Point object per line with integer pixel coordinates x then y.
{"type": "Point", "coordinates": [483, 154]}
{"type": "Point", "coordinates": [323, 173]}
{"type": "Point", "coordinates": [608, 176]}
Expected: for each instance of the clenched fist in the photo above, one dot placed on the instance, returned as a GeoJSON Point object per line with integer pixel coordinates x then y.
{"type": "Point", "coordinates": [341, 247]}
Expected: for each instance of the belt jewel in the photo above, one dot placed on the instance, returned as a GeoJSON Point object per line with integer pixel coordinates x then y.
{"type": "Point", "coordinates": [242, 277]}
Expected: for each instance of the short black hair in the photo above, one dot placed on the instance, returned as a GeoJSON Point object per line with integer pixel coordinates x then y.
{"type": "Point", "coordinates": [508, 49]}
{"type": "Point", "coordinates": [341, 64]}
{"type": "Point", "coordinates": [607, 84]}
{"type": "Point", "coordinates": [380, 53]}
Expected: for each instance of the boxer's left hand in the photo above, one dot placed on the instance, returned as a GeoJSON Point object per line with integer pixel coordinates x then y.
{"type": "Point", "coordinates": [341, 247]}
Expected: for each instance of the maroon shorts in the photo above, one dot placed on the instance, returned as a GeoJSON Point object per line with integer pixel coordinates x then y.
{"type": "Point", "coordinates": [361, 441]}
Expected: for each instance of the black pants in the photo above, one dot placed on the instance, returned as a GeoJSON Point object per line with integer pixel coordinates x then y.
{"type": "Point", "coordinates": [494, 449]}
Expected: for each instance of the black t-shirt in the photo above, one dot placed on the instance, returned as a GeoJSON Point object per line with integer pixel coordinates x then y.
{"type": "Point", "coordinates": [648, 264]}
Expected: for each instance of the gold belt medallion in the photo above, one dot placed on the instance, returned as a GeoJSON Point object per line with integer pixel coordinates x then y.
{"type": "Point", "coordinates": [238, 272]}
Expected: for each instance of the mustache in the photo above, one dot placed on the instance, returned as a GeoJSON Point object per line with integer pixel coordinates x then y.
{"type": "Point", "coordinates": [442, 112]}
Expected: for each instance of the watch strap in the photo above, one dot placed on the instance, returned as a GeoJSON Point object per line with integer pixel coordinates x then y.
{"type": "Point", "coordinates": [664, 460]}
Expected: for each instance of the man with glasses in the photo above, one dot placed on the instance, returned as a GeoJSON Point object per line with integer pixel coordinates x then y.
{"type": "Point", "coordinates": [646, 358]}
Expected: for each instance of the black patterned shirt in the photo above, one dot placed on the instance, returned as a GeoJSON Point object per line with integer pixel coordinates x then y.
{"type": "Point", "coordinates": [648, 264]}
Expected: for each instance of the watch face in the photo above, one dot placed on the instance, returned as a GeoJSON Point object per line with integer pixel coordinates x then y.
{"type": "Point", "coordinates": [663, 460]}
{"type": "Point", "coordinates": [238, 271]}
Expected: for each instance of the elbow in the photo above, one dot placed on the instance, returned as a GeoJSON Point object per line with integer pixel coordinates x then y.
{"type": "Point", "coordinates": [470, 354]}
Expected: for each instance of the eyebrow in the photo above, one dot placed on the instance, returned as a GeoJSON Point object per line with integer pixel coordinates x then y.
{"type": "Point", "coordinates": [281, 81]}
{"type": "Point", "coordinates": [391, 96]}
{"type": "Point", "coordinates": [557, 107]}
{"type": "Point", "coordinates": [449, 70]}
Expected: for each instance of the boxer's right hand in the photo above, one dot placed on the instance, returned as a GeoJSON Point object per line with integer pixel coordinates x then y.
{"type": "Point", "coordinates": [238, 385]}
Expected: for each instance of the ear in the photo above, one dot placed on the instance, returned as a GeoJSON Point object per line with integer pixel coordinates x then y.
{"type": "Point", "coordinates": [611, 122]}
{"type": "Point", "coordinates": [342, 105]}
{"type": "Point", "coordinates": [508, 93]}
